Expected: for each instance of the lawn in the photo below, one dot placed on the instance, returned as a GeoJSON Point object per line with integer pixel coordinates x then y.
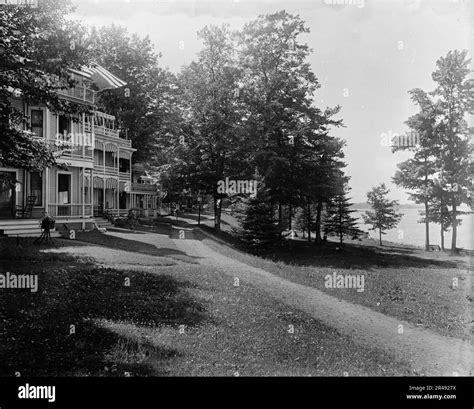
{"type": "Point", "coordinates": [171, 320]}
{"type": "Point", "coordinates": [403, 282]}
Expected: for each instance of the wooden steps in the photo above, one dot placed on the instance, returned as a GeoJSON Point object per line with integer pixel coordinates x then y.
{"type": "Point", "coordinates": [23, 228]}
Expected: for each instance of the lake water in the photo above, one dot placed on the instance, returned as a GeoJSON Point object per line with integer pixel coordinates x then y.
{"type": "Point", "coordinates": [409, 231]}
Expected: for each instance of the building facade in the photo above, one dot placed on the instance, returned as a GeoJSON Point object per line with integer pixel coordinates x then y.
{"type": "Point", "coordinates": [94, 172]}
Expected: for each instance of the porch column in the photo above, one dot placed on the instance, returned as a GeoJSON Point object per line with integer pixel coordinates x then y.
{"type": "Point", "coordinates": [104, 179]}
{"type": "Point", "coordinates": [83, 199]}
{"type": "Point", "coordinates": [130, 170]}
{"type": "Point", "coordinates": [24, 191]}
{"type": "Point", "coordinates": [118, 178]}
{"type": "Point", "coordinates": [47, 190]}
{"type": "Point", "coordinates": [118, 196]}
{"type": "Point", "coordinates": [91, 192]}
{"type": "Point", "coordinates": [47, 185]}
{"type": "Point", "coordinates": [118, 160]}
{"type": "Point", "coordinates": [83, 134]}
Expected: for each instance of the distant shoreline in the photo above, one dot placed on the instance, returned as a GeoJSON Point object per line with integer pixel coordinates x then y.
{"type": "Point", "coordinates": [361, 207]}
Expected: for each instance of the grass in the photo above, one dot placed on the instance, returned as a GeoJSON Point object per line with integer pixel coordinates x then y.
{"type": "Point", "coordinates": [37, 337]}
{"type": "Point", "coordinates": [119, 243]}
{"type": "Point", "coordinates": [402, 282]}
{"type": "Point", "coordinates": [177, 320]}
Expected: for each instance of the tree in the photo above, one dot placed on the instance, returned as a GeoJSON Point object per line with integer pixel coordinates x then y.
{"type": "Point", "coordinates": [305, 219]}
{"type": "Point", "coordinates": [325, 177]}
{"type": "Point", "coordinates": [384, 215]}
{"type": "Point", "coordinates": [339, 220]}
{"type": "Point", "coordinates": [454, 98]}
{"type": "Point", "coordinates": [445, 147]}
{"type": "Point", "coordinates": [148, 106]}
{"type": "Point", "coordinates": [247, 105]}
{"type": "Point", "coordinates": [439, 212]}
{"type": "Point", "coordinates": [38, 46]}
{"type": "Point", "coordinates": [287, 129]}
{"type": "Point", "coordinates": [259, 230]}
{"type": "Point", "coordinates": [212, 145]}
{"type": "Point", "coordinates": [416, 174]}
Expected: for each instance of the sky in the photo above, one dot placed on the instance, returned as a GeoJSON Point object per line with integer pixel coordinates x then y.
{"type": "Point", "coordinates": [367, 55]}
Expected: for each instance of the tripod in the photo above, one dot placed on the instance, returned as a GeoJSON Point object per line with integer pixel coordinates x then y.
{"type": "Point", "coordinates": [45, 236]}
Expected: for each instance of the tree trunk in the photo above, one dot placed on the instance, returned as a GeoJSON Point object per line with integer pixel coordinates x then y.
{"type": "Point", "coordinates": [442, 223]}
{"type": "Point", "coordinates": [280, 219]}
{"type": "Point", "coordinates": [217, 214]}
{"type": "Point", "coordinates": [427, 228]}
{"type": "Point", "coordinates": [289, 217]}
{"type": "Point", "coordinates": [455, 227]}
{"type": "Point", "coordinates": [380, 237]}
{"type": "Point", "coordinates": [340, 227]}
{"type": "Point", "coordinates": [442, 236]}
{"type": "Point", "coordinates": [309, 221]}
{"type": "Point", "coordinates": [319, 208]}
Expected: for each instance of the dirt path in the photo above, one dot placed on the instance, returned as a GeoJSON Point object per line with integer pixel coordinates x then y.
{"type": "Point", "coordinates": [429, 353]}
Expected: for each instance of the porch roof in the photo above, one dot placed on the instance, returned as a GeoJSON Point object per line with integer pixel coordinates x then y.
{"type": "Point", "coordinates": [103, 78]}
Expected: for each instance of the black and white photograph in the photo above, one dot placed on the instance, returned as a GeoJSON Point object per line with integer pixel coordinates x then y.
{"type": "Point", "coordinates": [265, 198]}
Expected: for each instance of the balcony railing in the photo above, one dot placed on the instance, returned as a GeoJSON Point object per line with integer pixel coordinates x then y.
{"type": "Point", "coordinates": [108, 132]}
{"type": "Point", "coordinates": [143, 187]}
{"type": "Point", "coordinates": [111, 171]}
{"type": "Point", "coordinates": [99, 211]}
{"type": "Point", "coordinates": [79, 94]}
{"type": "Point", "coordinates": [76, 152]}
{"type": "Point", "coordinates": [68, 210]}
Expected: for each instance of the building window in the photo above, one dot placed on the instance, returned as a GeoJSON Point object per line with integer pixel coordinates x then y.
{"type": "Point", "coordinates": [37, 122]}
{"type": "Point", "coordinates": [64, 125]}
{"type": "Point", "coordinates": [109, 159]}
{"type": "Point", "coordinates": [36, 187]}
{"type": "Point", "coordinates": [124, 165]}
{"type": "Point", "coordinates": [64, 188]}
{"type": "Point", "coordinates": [98, 157]}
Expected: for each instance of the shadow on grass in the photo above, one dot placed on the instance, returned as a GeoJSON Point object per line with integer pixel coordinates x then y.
{"type": "Point", "coordinates": [354, 256]}
{"type": "Point", "coordinates": [195, 216]}
{"type": "Point", "coordinates": [331, 255]}
{"type": "Point", "coordinates": [36, 338]}
{"type": "Point", "coordinates": [24, 250]}
{"type": "Point", "coordinates": [124, 231]}
{"type": "Point", "coordinates": [135, 246]}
